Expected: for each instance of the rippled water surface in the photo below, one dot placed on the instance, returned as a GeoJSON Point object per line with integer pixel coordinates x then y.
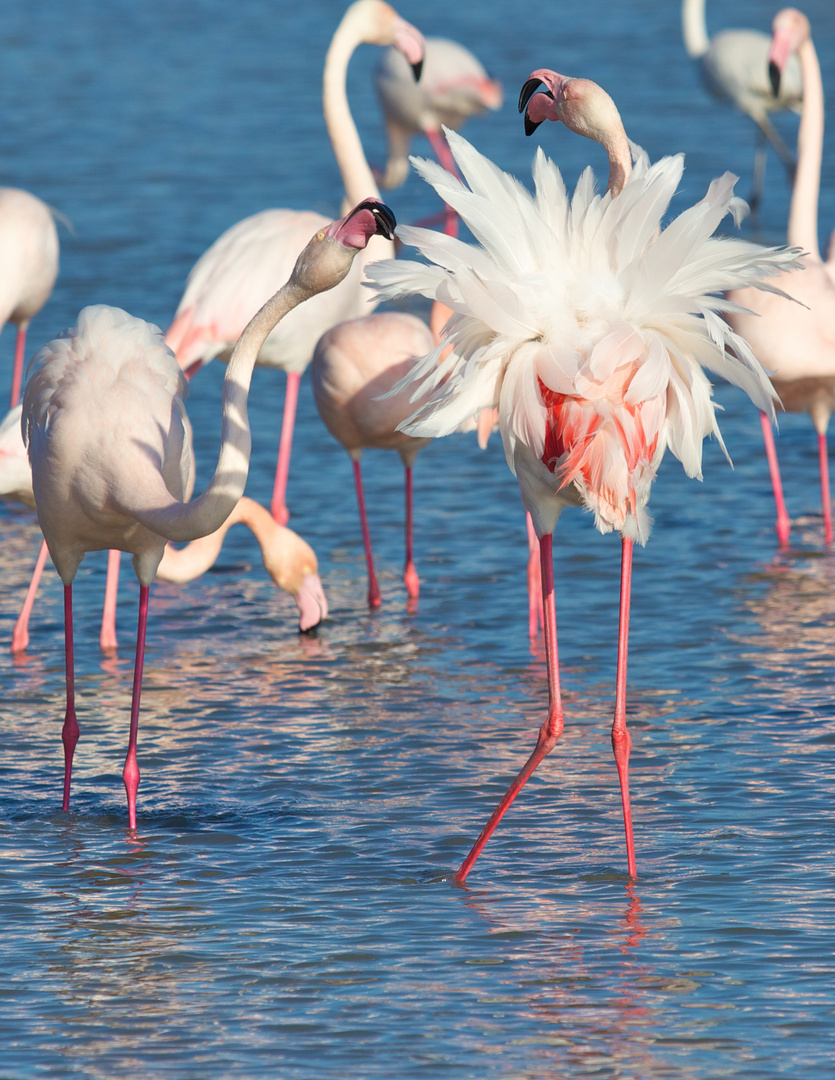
{"type": "Point", "coordinates": [285, 907]}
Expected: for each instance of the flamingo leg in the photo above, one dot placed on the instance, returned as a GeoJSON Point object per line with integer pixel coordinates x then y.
{"type": "Point", "coordinates": [783, 523]}
{"type": "Point", "coordinates": [20, 634]}
{"type": "Point", "coordinates": [550, 730]}
{"type": "Point", "coordinates": [410, 574]}
{"type": "Point", "coordinates": [69, 732]}
{"type": "Point", "coordinates": [278, 506]}
{"type": "Point", "coordinates": [130, 773]}
{"type": "Point", "coordinates": [825, 501]}
{"type": "Point", "coordinates": [107, 636]}
{"type": "Point", "coordinates": [17, 370]}
{"type": "Point", "coordinates": [621, 739]}
{"type": "Point", "coordinates": [536, 617]}
{"type": "Point", "coordinates": [444, 155]}
{"type": "Point", "coordinates": [374, 600]}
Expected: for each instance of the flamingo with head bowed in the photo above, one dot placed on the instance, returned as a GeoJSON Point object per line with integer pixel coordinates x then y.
{"type": "Point", "coordinates": [231, 280]}
{"type": "Point", "coordinates": [734, 67]}
{"type": "Point", "coordinates": [588, 326]}
{"type": "Point", "coordinates": [29, 257]}
{"type": "Point", "coordinates": [796, 341]}
{"type": "Point", "coordinates": [107, 434]}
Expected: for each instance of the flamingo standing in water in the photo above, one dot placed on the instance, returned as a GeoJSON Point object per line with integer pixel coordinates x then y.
{"type": "Point", "coordinates": [29, 257]}
{"type": "Point", "coordinates": [231, 280]}
{"type": "Point", "coordinates": [796, 341]}
{"type": "Point", "coordinates": [589, 328]}
{"type": "Point", "coordinates": [107, 434]}
{"type": "Point", "coordinates": [734, 67]}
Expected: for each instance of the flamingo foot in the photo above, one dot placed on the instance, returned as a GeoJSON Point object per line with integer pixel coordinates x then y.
{"type": "Point", "coordinates": [20, 637]}
{"type": "Point", "coordinates": [69, 737]}
{"type": "Point", "coordinates": [412, 581]}
{"type": "Point", "coordinates": [783, 527]}
{"type": "Point", "coordinates": [374, 598]}
{"type": "Point", "coordinates": [130, 775]}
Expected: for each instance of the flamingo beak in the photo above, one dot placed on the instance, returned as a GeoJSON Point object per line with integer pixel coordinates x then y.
{"type": "Point", "coordinates": [774, 77]}
{"type": "Point", "coordinates": [311, 602]}
{"type": "Point", "coordinates": [525, 95]}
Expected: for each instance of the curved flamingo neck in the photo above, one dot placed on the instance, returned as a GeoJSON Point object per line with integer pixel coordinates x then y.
{"type": "Point", "coordinates": [620, 165]}
{"type": "Point", "coordinates": [694, 28]}
{"type": "Point", "coordinates": [357, 178]}
{"type": "Point", "coordinates": [803, 215]}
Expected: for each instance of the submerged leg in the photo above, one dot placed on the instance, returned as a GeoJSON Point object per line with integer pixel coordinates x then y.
{"type": "Point", "coordinates": [550, 730]}
{"type": "Point", "coordinates": [410, 574]}
{"type": "Point", "coordinates": [783, 524]}
{"type": "Point", "coordinates": [278, 506]}
{"type": "Point", "coordinates": [130, 773]}
{"type": "Point", "coordinates": [825, 502]}
{"type": "Point", "coordinates": [621, 739]}
{"type": "Point", "coordinates": [107, 636]}
{"type": "Point", "coordinates": [536, 617]}
{"type": "Point", "coordinates": [17, 370]}
{"type": "Point", "coordinates": [69, 732]}
{"type": "Point", "coordinates": [20, 634]}
{"type": "Point", "coordinates": [373, 588]}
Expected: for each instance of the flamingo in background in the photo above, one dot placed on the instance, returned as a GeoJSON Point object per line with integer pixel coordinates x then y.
{"type": "Point", "coordinates": [796, 341]}
{"type": "Point", "coordinates": [29, 257]}
{"type": "Point", "coordinates": [107, 435]}
{"type": "Point", "coordinates": [589, 328]}
{"type": "Point", "coordinates": [231, 280]}
{"type": "Point", "coordinates": [734, 67]}
{"type": "Point", "coordinates": [453, 87]}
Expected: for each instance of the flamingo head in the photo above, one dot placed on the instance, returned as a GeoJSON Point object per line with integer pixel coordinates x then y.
{"type": "Point", "coordinates": [789, 30]}
{"type": "Point", "coordinates": [328, 256]}
{"type": "Point", "coordinates": [580, 104]}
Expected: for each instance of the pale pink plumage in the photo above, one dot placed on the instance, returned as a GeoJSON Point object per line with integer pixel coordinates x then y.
{"type": "Point", "coordinates": [238, 272]}
{"type": "Point", "coordinates": [796, 341]}
{"type": "Point", "coordinates": [108, 443]}
{"type": "Point", "coordinates": [29, 258]}
{"type": "Point", "coordinates": [588, 326]}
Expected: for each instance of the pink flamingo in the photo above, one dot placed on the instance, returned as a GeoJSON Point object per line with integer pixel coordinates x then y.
{"type": "Point", "coordinates": [734, 67]}
{"type": "Point", "coordinates": [796, 341]}
{"type": "Point", "coordinates": [108, 443]}
{"type": "Point", "coordinates": [29, 257]}
{"type": "Point", "coordinates": [231, 280]}
{"type": "Point", "coordinates": [588, 327]}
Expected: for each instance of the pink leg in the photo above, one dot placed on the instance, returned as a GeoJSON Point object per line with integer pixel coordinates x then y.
{"type": "Point", "coordinates": [374, 600]}
{"type": "Point", "coordinates": [783, 523]}
{"type": "Point", "coordinates": [824, 467]}
{"type": "Point", "coordinates": [621, 739]}
{"type": "Point", "coordinates": [20, 634]}
{"type": "Point", "coordinates": [107, 636]}
{"type": "Point", "coordinates": [69, 732]}
{"type": "Point", "coordinates": [536, 617]}
{"type": "Point", "coordinates": [410, 574]}
{"type": "Point", "coordinates": [278, 506]}
{"type": "Point", "coordinates": [550, 730]}
{"type": "Point", "coordinates": [17, 370]}
{"type": "Point", "coordinates": [444, 155]}
{"type": "Point", "coordinates": [130, 773]}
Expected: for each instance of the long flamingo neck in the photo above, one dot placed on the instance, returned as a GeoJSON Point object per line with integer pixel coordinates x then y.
{"type": "Point", "coordinates": [357, 178]}
{"type": "Point", "coordinates": [694, 28]}
{"type": "Point", "coordinates": [803, 215]}
{"type": "Point", "coordinates": [620, 161]}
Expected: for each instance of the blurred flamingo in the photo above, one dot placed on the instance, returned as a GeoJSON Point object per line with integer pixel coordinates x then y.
{"type": "Point", "coordinates": [588, 327]}
{"type": "Point", "coordinates": [734, 67]}
{"type": "Point", "coordinates": [107, 434]}
{"type": "Point", "coordinates": [231, 280]}
{"type": "Point", "coordinates": [796, 341]}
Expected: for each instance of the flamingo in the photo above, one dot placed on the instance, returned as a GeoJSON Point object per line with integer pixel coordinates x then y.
{"type": "Point", "coordinates": [734, 67]}
{"type": "Point", "coordinates": [453, 87]}
{"type": "Point", "coordinates": [797, 341]}
{"type": "Point", "coordinates": [107, 436]}
{"type": "Point", "coordinates": [231, 280]}
{"type": "Point", "coordinates": [589, 328]}
{"type": "Point", "coordinates": [29, 257]}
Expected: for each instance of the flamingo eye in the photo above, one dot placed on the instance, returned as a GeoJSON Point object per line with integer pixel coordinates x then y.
{"type": "Point", "coordinates": [320, 236]}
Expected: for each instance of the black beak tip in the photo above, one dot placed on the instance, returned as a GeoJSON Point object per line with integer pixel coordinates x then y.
{"type": "Point", "coordinates": [417, 69]}
{"type": "Point", "coordinates": [528, 91]}
{"type": "Point", "coordinates": [774, 77]}
{"type": "Point", "coordinates": [386, 220]}
{"type": "Point", "coordinates": [530, 126]}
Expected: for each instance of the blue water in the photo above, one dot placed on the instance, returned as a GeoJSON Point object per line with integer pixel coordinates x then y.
{"type": "Point", "coordinates": [285, 908]}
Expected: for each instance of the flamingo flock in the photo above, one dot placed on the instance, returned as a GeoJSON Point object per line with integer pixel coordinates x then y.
{"type": "Point", "coordinates": [583, 325]}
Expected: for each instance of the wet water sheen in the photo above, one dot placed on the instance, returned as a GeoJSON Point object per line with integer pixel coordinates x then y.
{"type": "Point", "coordinates": [286, 906]}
